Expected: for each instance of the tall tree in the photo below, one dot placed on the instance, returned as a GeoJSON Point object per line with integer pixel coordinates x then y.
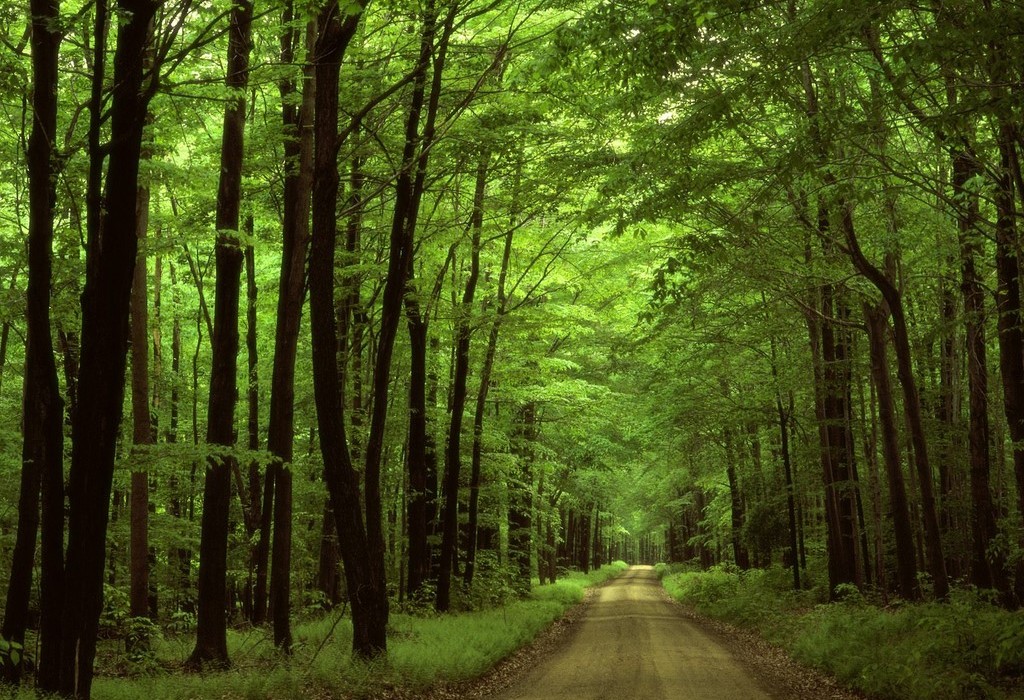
{"type": "Point", "coordinates": [298, 151]}
{"type": "Point", "coordinates": [906, 562]}
{"type": "Point", "coordinates": [362, 558]}
{"type": "Point", "coordinates": [142, 424]}
{"type": "Point", "coordinates": [422, 461]}
{"type": "Point", "coordinates": [463, 334]}
{"type": "Point", "coordinates": [110, 263]}
{"type": "Point", "coordinates": [43, 410]}
{"type": "Point", "coordinates": [211, 629]}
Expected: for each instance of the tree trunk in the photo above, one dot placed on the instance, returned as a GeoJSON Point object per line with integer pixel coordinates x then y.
{"type": "Point", "coordinates": [912, 406]}
{"type": "Point", "coordinates": [584, 561]}
{"type": "Point", "coordinates": [262, 550]}
{"type": "Point", "coordinates": [179, 555]}
{"type": "Point", "coordinates": [906, 559]}
{"type": "Point", "coordinates": [787, 469]}
{"type": "Point", "coordinates": [541, 520]}
{"type": "Point", "coordinates": [142, 421]}
{"type": "Point", "coordinates": [362, 558]}
{"type": "Point", "coordinates": [295, 231]}
{"type": "Point", "coordinates": [328, 580]}
{"type": "Point", "coordinates": [211, 629]}
{"type": "Point", "coordinates": [110, 262]}
{"type": "Point", "coordinates": [550, 536]}
{"type": "Point", "coordinates": [739, 552]}
{"type": "Point", "coordinates": [1008, 306]}
{"type": "Point", "coordinates": [463, 334]}
{"type": "Point", "coordinates": [520, 497]}
{"type": "Point", "coordinates": [251, 494]}
{"type": "Point", "coordinates": [42, 465]}
{"type": "Point", "coordinates": [842, 486]}
{"type": "Point", "coordinates": [985, 572]}
{"type": "Point", "coordinates": [5, 331]}
{"type": "Point", "coordinates": [416, 455]}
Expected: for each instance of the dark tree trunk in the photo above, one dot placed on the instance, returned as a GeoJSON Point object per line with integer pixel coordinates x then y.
{"type": "Point", "coordinates": [328, 576]}
{"type": "Point", "coordinates": [361, 557]}
{"type": "Point", "coordinates": [912, 406]}
{"type": "Point", "coordinates": [142, 420]}
{"type": "Point", "coordinates": [906, 558]}
{"type": "Point", "coordinates": [352, 321]}
{"type": "Point", "coordinates": [706, 556]}
{"type": "Point", "coordinates": [841, 487]}
{"type": "Point", "coordinates": [110, 262]}
{"type": "Point", "coordinates": [463, 333]}
{"type": "Point", "coordinates": [156, 339]}
{"type": "Point", "coordinates": [416, 456]}
{"type": "Point", "coordinates": [5, 330]}
{"type": "Point", "coordinates": [549, 541]}
{"type": "Point", "coordinates": [833, 410]}
{"type": "Point", "coordinates": [840, 568]}
{"type": "Point", "coordinates": [43, 411]}
{"type": "Point", "coordinates": [408, 193]}
{"type": "Point", "coordinates": [211, 630]}
{"type": "Point", "coordinates": [565, 543]}
{"type": "Point", "coordinates": [985, 572]}
{"type": "Point", "coordinates": [251, 494]}
{"type": "Point", "coordinates": [180, 556]}
{"type": "Point", "coordinates": [787, 470]}
{"type": "Point", "coordinates": [947, 413]}
{"type": "Point", "coordinates": [584, 557]}
{"type": "Point", "coordinates": [262, 549]}
{"type": "Point", "coordinates": [541, 520]}
{"type": "Point", "coordinates": [421, 457]}
{"type": "Point", "coordinates": [739, 551]}
{"type": "Point", "coordinates": [520, 497]}
{"type": "Point", "coordinates": [295, 231]}
{"type": "Point", "coordinates": [1008, 306]}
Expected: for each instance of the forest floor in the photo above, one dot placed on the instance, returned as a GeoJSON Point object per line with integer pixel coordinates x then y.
{"type": "Point", "coordinates": [631, 640]}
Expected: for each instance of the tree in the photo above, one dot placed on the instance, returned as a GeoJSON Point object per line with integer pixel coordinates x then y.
{"type": "Point", "coordinates": [142, 428]}
{"type": "Point", "coordinates": [295, 231]}
{"type": "Point", "coordinates": [43, 412]}
{"type": "Point", "coordinates": [361, 554]}
{"type": "Point", "coordinates": [211, 630]}
{"type": "Point", "coordinates": [110, 263]}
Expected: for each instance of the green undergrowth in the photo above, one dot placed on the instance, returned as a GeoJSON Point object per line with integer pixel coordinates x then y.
{"type": "Point", "coordinates": [965, 648]}
{"type": "Point", "coordinates": [423, 650]}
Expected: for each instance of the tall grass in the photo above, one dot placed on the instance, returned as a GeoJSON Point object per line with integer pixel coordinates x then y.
{"type": "Point", "coordinates": [965, 648]}
{"type": "Point", "coordinates": [423, 650]}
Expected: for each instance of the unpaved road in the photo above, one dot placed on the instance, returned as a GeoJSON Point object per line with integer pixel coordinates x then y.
{"type": "Point", "coordinates": [633, 643]}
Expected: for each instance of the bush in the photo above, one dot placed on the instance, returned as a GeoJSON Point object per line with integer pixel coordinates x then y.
{"type": "Point", "coordinates": [13, 654]}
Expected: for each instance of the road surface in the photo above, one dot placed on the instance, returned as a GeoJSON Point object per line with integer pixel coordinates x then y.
{"type": "Point", "coordinates": [633, 643]}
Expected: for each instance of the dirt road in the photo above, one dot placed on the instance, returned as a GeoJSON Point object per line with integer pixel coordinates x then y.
{"type": "Point", "coordinates": [633, 643]}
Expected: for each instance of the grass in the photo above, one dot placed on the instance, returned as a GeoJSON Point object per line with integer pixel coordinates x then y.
{"type": "Point", "coordinates": [965, 648]}
{"type": "Point", "coordinates": [423, 650]}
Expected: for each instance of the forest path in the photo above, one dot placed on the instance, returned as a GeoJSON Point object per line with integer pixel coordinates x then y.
{"type": "Point", "coordinates": [633, 642]}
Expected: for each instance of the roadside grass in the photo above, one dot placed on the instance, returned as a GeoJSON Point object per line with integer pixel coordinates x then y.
{"type": "Point", "coordinates": [964, 648]}
{"type": "Point", "coordinates": [423, 650]}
